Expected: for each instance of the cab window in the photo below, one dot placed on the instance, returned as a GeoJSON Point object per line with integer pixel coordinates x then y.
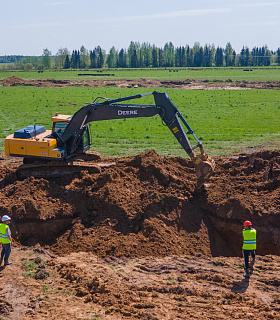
{"type": "Point", "coordinates": [59, 127]}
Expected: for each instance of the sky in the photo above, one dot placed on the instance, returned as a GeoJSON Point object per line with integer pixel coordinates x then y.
{"type": "Point", "coordinates": [27, 27]}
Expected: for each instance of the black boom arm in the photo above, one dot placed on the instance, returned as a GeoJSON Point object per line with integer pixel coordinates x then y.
{"type": "Point", "coordinates": [113, 109]}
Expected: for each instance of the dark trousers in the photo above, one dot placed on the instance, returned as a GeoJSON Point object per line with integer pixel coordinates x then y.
{"type": "Point", "coordinates": [6, 250]}
{"type": "Point", "coordinates": [246, 255]}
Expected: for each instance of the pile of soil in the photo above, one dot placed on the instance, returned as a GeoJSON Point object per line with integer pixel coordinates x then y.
{"type": "Point", "coordinates": [138, 241]}
{"type": "Point", "coordinates": [148, 205]}
{"type": "Point", "coordinates": [12, 81]}
{"type": "Point", "coordinates": [145, 83]}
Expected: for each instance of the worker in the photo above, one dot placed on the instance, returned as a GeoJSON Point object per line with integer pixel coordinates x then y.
{"type": "Point", "coordinates": [6, 239]}
{"type": "Point", "coordinates": [249, 246]}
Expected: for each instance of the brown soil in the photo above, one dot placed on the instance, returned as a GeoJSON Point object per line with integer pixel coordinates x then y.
{"type": "Point", "coordinates": [137, 241]}
{"type": "Point", "coordinates": [145, 83]}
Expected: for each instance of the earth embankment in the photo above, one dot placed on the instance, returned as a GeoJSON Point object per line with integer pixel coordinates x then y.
{"type": "Point", "coordinates": [147, 205]}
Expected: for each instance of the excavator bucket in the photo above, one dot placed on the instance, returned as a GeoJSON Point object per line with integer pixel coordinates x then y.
{"type": "Point", "coordinates": [204, 168]}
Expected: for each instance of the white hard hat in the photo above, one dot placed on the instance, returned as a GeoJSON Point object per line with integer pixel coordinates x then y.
{"type": "Point", "coordinates": [5, 218]}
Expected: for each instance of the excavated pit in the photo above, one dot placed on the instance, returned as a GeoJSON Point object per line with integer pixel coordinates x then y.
{"type": "Point", "coordinates": [147, 205]}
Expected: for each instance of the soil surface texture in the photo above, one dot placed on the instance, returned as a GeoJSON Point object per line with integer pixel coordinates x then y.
{"type": "Point", "coordinates": [137, 240]}
{"type": "Point", "coordinates": [145, 83]}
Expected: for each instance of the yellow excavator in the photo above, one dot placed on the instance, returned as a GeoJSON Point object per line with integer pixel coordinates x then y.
{"type": "Point", "coordinates": [52, 153]}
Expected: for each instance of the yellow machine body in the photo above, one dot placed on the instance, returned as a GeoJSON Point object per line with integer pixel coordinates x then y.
{"type": "Point", "coordinates": [41, 145]}
{"type": "Point", "coordinates": [33, 147]}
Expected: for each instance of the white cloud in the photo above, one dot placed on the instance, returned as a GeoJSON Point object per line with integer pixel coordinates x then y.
{"type": "Point", "coordinates": [166, 15]}
{"type": "Point", "coordinates": [41, 25]}
{"type": "Point", "coordinates": [258, 23]}
{"type": "Point", "coordinates": [58, 3]}
{"type": "Point", "coordinates": [260, 4]}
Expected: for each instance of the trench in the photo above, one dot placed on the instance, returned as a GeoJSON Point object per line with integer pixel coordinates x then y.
{"type": "Point", "coordinates": [147, 206]}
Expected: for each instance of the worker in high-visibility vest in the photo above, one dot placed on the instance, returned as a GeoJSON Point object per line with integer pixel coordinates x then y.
{"type": "Point", "coordinates": [249, 246]}
{"type": "Point", "coordinates": [6, 239]}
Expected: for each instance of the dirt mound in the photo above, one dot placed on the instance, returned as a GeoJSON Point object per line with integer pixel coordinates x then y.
{"type": "Point", "coordinates": [186, 84]}
{"type": "Point", "coordinates": [147, 205]}
{"type": "Point", "coordinates": [12, 81]}
{"type": "Point", "coordinates": [140, 241]}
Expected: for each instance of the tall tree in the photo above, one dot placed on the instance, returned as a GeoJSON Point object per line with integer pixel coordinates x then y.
{"type": "Point", "coordinates": [234, 58]}
{"type": "Point", "coordinates": [219, 57]}
{"type": "Point", "coordinates": [242, 57]}
{"type": "Point", "coordinates": [67, 63]}
{"type": "Point", "coordinates": [247, 57]}
{"type": "Point", "coordinates": [60, 57]}
{"type": "Point", "coordinates": [84, 58]}
{"type": "Point", "coordinates": [134, 54]}
{"type": "Point", "coordinates": [169, 55]}
{"type": "Point", "coordinates": [100, 57]}
{"type": "Point", "coordinates": [254, 55]}
{"type": "Point", "coordinates": [198, 57]}
{"type": "Point", "coordinates": [228, 55]}
{"type": "Point", "coordinates": [267, 56]}
{"type": "Point", "coordinates": [160, 58]}
{"type": "Point", "coordinates": [147, 54]}
{"type": "Point", "coordinates": [189, 56]}
{"type": "Point", "coordinates": [47, 58]}
{"type": "Point", "coordinates": [75, 61]}
{"type": "Point", "coordinates": [207, 56]}
{"type": "Point", "coordinates": [180, 57]}
{"type": "Point", "coordinates": [278, 56]}
{"type": "Point", "coordinates": [93, 59]}
{"type": "Point", "coordinates": [112, 58]}
{"type": "Point", "coordinates": [122, 61]}
{"type": "Point", "coordinates": [154, 57]}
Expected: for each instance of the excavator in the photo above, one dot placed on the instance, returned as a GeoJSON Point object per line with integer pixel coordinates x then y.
{"type": "Point", "coordinates": [64, 149]}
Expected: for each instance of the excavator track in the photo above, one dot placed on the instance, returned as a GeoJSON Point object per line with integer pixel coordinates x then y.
{"type": "Point", "coordinates": [58, 170]}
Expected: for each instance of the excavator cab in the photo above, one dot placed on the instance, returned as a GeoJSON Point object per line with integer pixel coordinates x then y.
{"type": "Point", "coordinates": [60, 123]}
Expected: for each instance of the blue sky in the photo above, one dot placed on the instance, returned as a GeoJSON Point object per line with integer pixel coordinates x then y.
{"type": "Point", "coordinates": [29, 26]}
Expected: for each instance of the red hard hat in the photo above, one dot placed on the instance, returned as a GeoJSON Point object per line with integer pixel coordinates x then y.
{"type": "Point", "coordinates": [247, 223]}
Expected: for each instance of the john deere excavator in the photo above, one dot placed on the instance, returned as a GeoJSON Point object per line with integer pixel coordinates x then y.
{"type": "Point", "coordinates": [52, 153]}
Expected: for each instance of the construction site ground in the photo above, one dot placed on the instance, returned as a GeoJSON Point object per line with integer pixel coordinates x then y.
{"type": "Point", "coordinates": [137, 240]}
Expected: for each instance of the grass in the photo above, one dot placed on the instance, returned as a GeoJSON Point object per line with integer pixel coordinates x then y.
{"type": "Point", "coordinates": [44, 289]}
{"type": "Point", "coordinates": [226, 121]}
{"type": "Point", "coordinates": [209, 74]}
{"type": "Point", "coordinates": [29, 266]}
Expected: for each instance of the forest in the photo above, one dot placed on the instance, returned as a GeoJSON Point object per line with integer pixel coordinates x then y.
{"type": "Point", "coordinates": [145, 55]}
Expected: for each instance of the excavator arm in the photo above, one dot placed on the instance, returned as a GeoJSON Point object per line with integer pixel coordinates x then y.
{"type": "Point", "coordinates": [115, 109]}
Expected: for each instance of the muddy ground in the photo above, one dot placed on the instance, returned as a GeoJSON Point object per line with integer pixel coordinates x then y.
{"type": "Point", "coordinates": [145, 83]}
{"type": "Point", "coordinates": [138, 241]}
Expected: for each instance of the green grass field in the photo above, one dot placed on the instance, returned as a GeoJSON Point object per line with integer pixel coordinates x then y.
{"type": "Point", "coordinates": [209, 74]}
{"type": "Point", "coordinates": [227, 121]}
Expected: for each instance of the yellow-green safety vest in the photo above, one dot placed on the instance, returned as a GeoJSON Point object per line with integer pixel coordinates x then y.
{"type": "Point", "coordinates": [3, 236]}
{"type": "Point", "coordinates": [250, 239]}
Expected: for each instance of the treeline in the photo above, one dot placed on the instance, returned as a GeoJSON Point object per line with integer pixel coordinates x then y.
{"type": "Point", "coordinates": [10, 59]}
{"type": "Point", "coordinates": [146, 55]}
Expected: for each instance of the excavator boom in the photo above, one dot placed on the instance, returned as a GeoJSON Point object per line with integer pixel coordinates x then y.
{"type": "Point", "coordinates": [173, 119]}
